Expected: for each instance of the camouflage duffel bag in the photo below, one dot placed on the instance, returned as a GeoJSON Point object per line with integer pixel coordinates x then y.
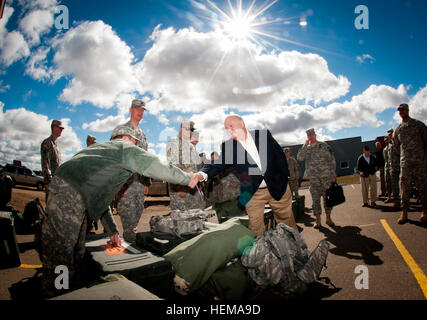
{"type": "Point", "coordinates": [178, 223]}
{"type": "Point", "coordinates": [279, 260]}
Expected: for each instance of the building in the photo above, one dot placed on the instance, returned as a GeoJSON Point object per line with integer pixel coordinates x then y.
{"type": "Point", "coordinates": [346, 152]}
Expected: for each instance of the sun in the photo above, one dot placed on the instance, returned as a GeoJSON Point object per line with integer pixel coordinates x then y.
{"type": "Point", "coordinates": [238, 28]}
{"type": "Point", "coordinates": [239, 24]}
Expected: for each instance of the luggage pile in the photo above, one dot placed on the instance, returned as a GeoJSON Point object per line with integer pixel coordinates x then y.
{"type": "Point", "coordinates": [185, 255]}
{"type": "Point", "coordinates": [189, 254]}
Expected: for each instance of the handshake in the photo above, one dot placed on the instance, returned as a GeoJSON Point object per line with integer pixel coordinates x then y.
{"type": "Point", "coordinates": [194, 179]}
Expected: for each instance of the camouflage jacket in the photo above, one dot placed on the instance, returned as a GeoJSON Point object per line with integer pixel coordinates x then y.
{"type": "Point", "coordinates": [183, 154]}
{"type": "Point", "coordinates": [294, 170]}
{"type": "Point", "coordinates": [50, 158]}
{"type": "Point", "coordinates": [99, 172]}
{"type": "Point", "coordinates": [411, 138]}
{"type": "Point", "coordinates": [319, 160]}
{"type": "Point", "coordinates": [393, 152]}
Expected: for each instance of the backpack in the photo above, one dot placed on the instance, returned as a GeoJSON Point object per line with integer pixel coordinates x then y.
{"type": "Point", "coordinates": [279, 260]}
{"type": "Point", "coordinates": [33, 215]}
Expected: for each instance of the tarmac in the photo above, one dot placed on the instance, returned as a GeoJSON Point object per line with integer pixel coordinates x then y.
{"type": "Point", "coordinates": [371, 257]}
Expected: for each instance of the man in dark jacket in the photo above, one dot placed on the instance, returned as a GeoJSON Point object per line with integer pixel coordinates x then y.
{"type": "Point", "coordinates": [263, 172]}
{"type": "Point", "coordinates": [367, 166]}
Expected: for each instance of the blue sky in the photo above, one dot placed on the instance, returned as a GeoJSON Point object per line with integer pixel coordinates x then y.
{"type": "Point", "coordinates": [297, 64]}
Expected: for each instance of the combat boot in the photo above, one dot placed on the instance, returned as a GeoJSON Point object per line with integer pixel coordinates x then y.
{"type": "Point", "coordinates": [388, 200]}
{"type": "Point", "coordinates": [403, 217]}
{"type": "Point", "coordinates": [318, 224]}
{"type": "Point", "coordinates": [423, 217]}
{"type": "Point", "coordinates": [329, 221]}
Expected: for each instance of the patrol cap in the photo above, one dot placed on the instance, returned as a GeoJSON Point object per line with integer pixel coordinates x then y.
{"type": "Point", "coordinates": [310, 131]}
{"type": "Point", "coordinates": [187, 124]}
{"type": "Point", "coordinates": [390, 130]}
{"type": "Point", "coordinates": [403, 106]}
{"type": "Point", "coordinates": [91, 138]}
{"type": "Point", "coordinates": [57, 123]}
{"type": "Point", "coordinates": [136, 103]}
{"type": "Point", "coordinates": [287, 150]}
{"type": "Point", "coordinates": [123, 131]}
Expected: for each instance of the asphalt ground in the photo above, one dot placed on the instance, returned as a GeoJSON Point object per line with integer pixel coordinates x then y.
{"type": "Point", "coordinates": [364, 263]}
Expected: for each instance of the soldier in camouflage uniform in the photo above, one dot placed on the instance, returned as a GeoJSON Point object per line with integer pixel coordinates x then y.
{"type": "Point", "coordinates": [84, 187]}
{"type": "Point", "coordinates": [131, 203]}
{"type": "Point", "coordinates": [410, 137]}
{"type": "Point", "coordinates": [181, 153]}
{"type": "Point", "coordinates": [387, 168]}
{"type": "Point", "coordinates": [294, 173]}
{"type": "Point", "coordinates": [320, 171]}
{"type": "Point", "coordinates": [50, 155]}
{"type": "Point", "coordinates": [394, 158]}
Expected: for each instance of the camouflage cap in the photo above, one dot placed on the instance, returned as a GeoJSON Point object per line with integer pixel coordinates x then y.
{"type": "Point", "coordinates": [402, 106]}
{"type": "Point", "coordinates": [187, 124]}
{"type": "Point", "coordinates": [310, 131]}
{"type": "Point", "coordinates": [91, 138]}
{"type": "Point", "coordinates": [57, 123]}
{"type": "Point", "coordinates": [390, 130]}
{"type": "Point", "coordinates": [136, 103]}
{"type": "Point", "coordinates": [123, 131]}
{"type": "Point", "coordinates": [287, 150]}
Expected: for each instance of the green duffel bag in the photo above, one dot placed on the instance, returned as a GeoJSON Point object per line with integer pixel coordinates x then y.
{"type": "Point", "coordinates": [195, 260]}
{"type": "Point", "coordinates": [231, 282]}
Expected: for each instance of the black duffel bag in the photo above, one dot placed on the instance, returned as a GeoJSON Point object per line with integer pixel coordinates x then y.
{"type": "Point", "coordinates": [334, 195]}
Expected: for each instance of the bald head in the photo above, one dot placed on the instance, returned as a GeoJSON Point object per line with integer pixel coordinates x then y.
{"type": "Point", "coordinates": [235, 127]}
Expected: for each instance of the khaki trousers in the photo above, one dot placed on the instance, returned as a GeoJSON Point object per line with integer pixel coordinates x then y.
{"type": "Point", "coordinates": [369, 184]}
{"type": "Point", "coordinates": [282, 210]}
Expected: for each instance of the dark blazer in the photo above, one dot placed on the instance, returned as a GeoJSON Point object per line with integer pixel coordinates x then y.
{"type": "Point", "coordinates": [273, 162]}
{"type": "Point", "coordinates": [365, 168]}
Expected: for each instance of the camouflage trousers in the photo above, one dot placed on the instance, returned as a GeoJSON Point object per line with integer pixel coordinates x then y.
{"type": "Point", "coordinates": [318, 187]}
{"type": "Point", "coordinates": [293, 184]}
{"type": "Point", "coordinates": [392, 183]}
{"type": "Point", "coordinates": [395, 187]}
{"type": "Point", "coordinates": [63, 234]}
{"type": "Point", "coordinates": [417, 175]}
{"type": "Point", "coordinates": [193, 199]}
{"type": "Point", "coordinates": [130, 208]}
{"type": "Point", "coordinates": [388, 182]}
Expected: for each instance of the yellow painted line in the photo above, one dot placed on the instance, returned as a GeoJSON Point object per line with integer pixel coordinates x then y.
{"type": "Point", "coordinates": [367, 225]}
{"type": "Point", "coordinates": [31, 266]}
{"type": "Point", "coordinates": [416, 270]}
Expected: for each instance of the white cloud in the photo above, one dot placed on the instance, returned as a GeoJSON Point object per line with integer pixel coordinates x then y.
{"type": "Point", "coordinates": [4, 88]}
{"type": "Point", "coordinates": [288, 123]}
{"type": "Point", "coordinates": [190, 71]}
{"type": "Point", "coordinates": [98, 61]}
{"type": "Point", "coordinates": [364, 58]}
{"type": "Point", "coordinates": [34, 21]}
{"type": "Point", "coordinates": [36, 66]}
{"type": "Point", "coordinates": [417, 106]}
{"type": "Point", "coordinates": [13, 48]}
{"type": "Point", "coordinates": [35, 24]}
{"type": "Point", "coordinates": [20, 138]}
